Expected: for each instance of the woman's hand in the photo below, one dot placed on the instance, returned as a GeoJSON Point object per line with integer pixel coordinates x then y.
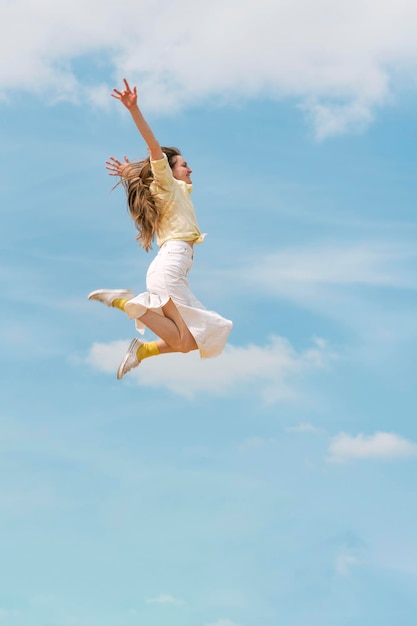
{"type": "Point", "coordinates": [116, 167]}
{"type": "Point", "coordinates": [127, 97]}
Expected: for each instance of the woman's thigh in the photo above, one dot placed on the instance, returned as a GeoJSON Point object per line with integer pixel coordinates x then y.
{"type": "Point", "coordinates": [172, 313]}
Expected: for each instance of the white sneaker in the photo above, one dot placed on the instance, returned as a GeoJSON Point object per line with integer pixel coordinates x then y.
{"type": "Point", "coordinates": [130, 360]}
{"type": "Point", "coordinates": [107, 296]}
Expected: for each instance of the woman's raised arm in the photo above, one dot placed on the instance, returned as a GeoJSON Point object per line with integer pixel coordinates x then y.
{"type": "Point", "coordinates": [130, 100]}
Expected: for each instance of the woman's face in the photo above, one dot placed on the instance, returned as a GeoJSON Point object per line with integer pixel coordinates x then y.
{"type": "Point", "coordinates": [180, 169]}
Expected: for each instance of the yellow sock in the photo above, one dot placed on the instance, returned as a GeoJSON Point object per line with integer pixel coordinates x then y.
{"type": "Point", "coordinates": [119, 303]}
{"type": "Point", "coordinates": [146, 350]}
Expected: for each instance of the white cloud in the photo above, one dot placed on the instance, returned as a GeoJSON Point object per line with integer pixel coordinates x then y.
{"type": "Point", "coordinates": [334, 118]}
{"type": "Point", "coordinates": [382, 445]}
{"type": "Point", "coordinates": [337, 60]}
{"type": "Point", "coordinates": [106, 357]}
{"type": "Point", "coordinates": [271, 371]}
{"type": "Point", "coordinates": [165, 598]}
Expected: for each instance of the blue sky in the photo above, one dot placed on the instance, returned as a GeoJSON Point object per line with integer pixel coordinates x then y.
{"type": "Point", "coordinates": [274, 484]}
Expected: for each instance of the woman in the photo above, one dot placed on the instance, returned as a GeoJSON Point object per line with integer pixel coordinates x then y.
{"type": "Point", "coordinates": [158, 193]}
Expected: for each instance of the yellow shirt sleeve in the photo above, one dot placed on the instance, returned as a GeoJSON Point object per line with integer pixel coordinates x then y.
{"type": "Point", "coordinates": [162, 174]}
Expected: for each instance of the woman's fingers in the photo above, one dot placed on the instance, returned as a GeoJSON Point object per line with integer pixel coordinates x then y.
{"type": "Point", "coordinates": [116, 167]}
{"type": "Point", "coordinates": [112, 165]}
{"type": "Point", "coordinates": [127, 96]}
{"type": "Point", "coordinates": [119, 94]}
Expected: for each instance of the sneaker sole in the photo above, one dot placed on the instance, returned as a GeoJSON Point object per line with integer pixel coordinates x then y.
{"type": "Point", "coordinates": [117, 293]}
{"type": "Point", "coordinates": [134, 344]}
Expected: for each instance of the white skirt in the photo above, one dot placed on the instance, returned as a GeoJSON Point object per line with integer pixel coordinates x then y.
{"type": "Point", "coordinates": [167, 278]}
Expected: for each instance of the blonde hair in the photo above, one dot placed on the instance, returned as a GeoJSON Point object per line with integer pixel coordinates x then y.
{"type": "Point", "coordinates": [136, 180]}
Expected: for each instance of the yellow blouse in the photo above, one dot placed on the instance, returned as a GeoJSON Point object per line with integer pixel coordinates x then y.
{"type": "Point", "coordinates": [172, 197]}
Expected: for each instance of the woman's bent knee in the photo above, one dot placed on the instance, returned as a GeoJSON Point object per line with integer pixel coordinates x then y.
{"type": "Point", "coordinates": [187, 345]}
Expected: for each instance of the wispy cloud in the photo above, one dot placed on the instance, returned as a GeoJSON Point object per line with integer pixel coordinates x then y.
{"type": "Point", "coordinates": [330, 117]}
{"type": "Point", "coordinates": [254, 443]}
{"type": "Point", "coordinates": [8, 615]}
{"type": "Point", "coordinates": [165, 598]}
{"type": "Point", "coordinates": [345, 562]}
{"type": "Point", "coordinates": [304, 427]}
{"type": "Point", "coordinates": [272, 371]}
{"type": "Point", "coordinates": [369, 263]}
{"type": "Point", "coordinates": [381, 445]}
{"type": "Point", "coordinates": [338, 85]}
{"type": "Point", "coordinates": [346, 282]}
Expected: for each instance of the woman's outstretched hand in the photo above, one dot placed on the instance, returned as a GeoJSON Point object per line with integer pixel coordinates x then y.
{"type": "Point", "coordinates": [127, 97]}
{"type": "Point", "coordinates": [130, 100]}
{"type": "Point", "coordinates": [116, 167]}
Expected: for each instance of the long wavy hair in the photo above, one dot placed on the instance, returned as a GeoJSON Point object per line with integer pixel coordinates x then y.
{"type": "Point", "coordinates": [142, 207]}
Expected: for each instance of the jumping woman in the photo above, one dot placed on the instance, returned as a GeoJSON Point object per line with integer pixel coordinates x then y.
{"type": "Point", "coordinates": [158, 194]}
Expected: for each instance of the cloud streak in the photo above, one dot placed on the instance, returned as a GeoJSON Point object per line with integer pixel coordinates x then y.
{"type": "Point", "coordinates": [345, 562]}
{"type": "Point", "coordinates": [303, 428]}
{"type": "Point", "coordinates": [344, 447]}
{"type": "Point", "coordinates": [372, 264]}
{"type": "Point", "coordinates": [165, 598]}
{"type": "Point", "coordinates": [347, 282]}
{"type": "Point", "coordinates": [337, 61]}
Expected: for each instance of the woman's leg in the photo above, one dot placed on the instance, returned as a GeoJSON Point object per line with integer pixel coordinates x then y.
{"type": "Point", "coordinates": [170, 328]}
{"type": "Point", "coordinates": [174, 337]}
